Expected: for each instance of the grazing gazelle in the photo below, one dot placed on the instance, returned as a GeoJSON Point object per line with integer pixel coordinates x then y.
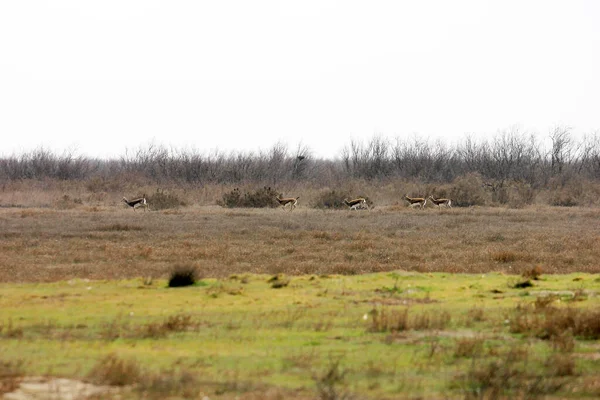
{"type": "Point", "coordinates": [416, 201]}
{"type": "Point", "coordinates": [441, 202]}
{"type": "Point", "coordinates": [137, 202]}
{"type": "Point", "coordinates": [357, 203]}
{"type": "Point", "coordinates": [292, 201]}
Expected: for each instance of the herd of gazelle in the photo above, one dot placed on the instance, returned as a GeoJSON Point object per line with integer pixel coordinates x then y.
{"type": "Point", "coordinates": [354, 204]}
{"type": "Point", "coordinates": [421, 202]}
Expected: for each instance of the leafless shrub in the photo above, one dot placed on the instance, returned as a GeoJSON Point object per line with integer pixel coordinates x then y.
{"type": "Point", "coordinates": [548, 322]}
{"type": "Point", "coordinates": [469, 347]}
{"type": "Point", "coordinates": [162, 201]}
{"type": "Point", "coordinates": [10, 373]}
{"type": "Point", "coordinates": [331, 199]}
{"type": "Point", "coordinates": [534, 273]}
{"type": "Point", "coordinates": [168, 383]}
{"type": "Point", "coordinates": [8, 330]}
{"type": "Point", "coordinates": [260, 198]}
{"type": "Point", "coordinates": [467, 191]}
{"type": "Point", "coordinates": [475, 314]}
{"type": "Point", "coordinates": [560, 364]}
{"type": "Point", "coordinates": [173, 323]}
{"type": "Point", "coordinates": [112, 370]}
{"type": "Point", "coordinates": [331, 381]}
{"type": "Point", "coordinates": [394, 320]}
{"type": "Point", "coordinates": [509, 376]}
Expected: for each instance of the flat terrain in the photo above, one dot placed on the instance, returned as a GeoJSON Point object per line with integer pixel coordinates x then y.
{"type": "Point", "coordinates": [387, 304]}
{"type": "Point", "coordinates": [42, 245]}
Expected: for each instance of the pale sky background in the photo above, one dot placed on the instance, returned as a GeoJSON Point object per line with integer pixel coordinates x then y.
{"type": "Point", "coordinates": [105, 76]}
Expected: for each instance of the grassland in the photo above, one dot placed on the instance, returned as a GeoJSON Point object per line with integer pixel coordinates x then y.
{"type": "Point", "coordinates": [391, 303]}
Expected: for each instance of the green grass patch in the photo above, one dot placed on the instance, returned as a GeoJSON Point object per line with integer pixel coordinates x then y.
{"type": "Point", "coordinates": [386, 335]}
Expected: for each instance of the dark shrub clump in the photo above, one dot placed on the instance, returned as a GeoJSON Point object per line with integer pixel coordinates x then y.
{"type": "Point", "coordinates": [261, 198]}
{"type": "Point", "coordinates": [183, 276]}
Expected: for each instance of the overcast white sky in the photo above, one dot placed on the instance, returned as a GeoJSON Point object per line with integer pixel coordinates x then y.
{"type": "Point", "coordinates": [104, 76]}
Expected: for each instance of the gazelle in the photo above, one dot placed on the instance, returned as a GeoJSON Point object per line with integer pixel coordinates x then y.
{"type": "Point", "coordinates": [357, 203]}
{"type": "Point", "coordinates": [441, 202]}
{"type": "Point", "coordinates": [292, 201]}
{"type": "Point", "coordinates": [137, 202]}
{"type": "Point", "coordinates": [416, 201]}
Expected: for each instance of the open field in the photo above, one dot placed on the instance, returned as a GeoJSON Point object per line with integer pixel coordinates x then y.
{"type": "Point", "coordinates": [41, 245]}
{"type": "Point", "coordinates": [391, 303]}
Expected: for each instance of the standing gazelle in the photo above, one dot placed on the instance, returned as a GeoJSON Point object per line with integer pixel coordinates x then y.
{"type": "Point", "coordinates": [292, 201]}
{"type": "Point", "coordinates": [137, 202]}
{"type": "Point", "coordinates": [441, 202]}
{"type": "Point", "coordinates": [357, 203]}
{"type": "Point", "coordinates": [416, 201]}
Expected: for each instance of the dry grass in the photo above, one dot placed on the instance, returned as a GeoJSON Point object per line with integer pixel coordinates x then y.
{"type": "Point", "coordinates": [40, 245]}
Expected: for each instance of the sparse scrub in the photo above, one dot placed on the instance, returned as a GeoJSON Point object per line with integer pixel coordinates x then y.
{"type": "Point", "coordinates": [467, 191]}
{"type": "Point", "coordinates": [176, 382]}
{"type": "Point", "coordinates": [331, 381]}
{"type": "Point", "coordinates": [10, 374]}
{"type": "Point", "coordinates": [171, 324]}
{"type": "Point", "coordinates": [534, 273]}
{"type": "Point", "coordinates": [513, 375]}
{"type": "Point", "coordinates": [115, 371]}
{"type": "Point", "coordinates": [260, 198]}
{"type": "Point", "coordinates": [397, 320]}
{"type": "Point", "coordinates": [549, 322]}
{"type": "Point", "coordinates": [163, 201]}
{"type": "Point", "coordinates": [469, 347]}
{"type": "Point", "coordinates": [331, 199]}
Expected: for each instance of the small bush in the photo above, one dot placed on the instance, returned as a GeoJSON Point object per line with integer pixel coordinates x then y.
{"type": "Point", "coordinates": [10, 374]}
{"type": "Point", "coordinates": [183, 275]}
{"type": "Point", "coordinates": [163, 201]}
{"type": "Point", "coordinates": [561, 364]}
{"type": "Point", "coordinates": [329, 381]}
{"type": "Point", "coordinates": [523, 284]}
{"type": "Point", "coordinates": [261, 198]}
{"type": "Point", "coordinates": [551, 323]}
{"type": "Point", "coordinates": [174, 323]}
{"type": "Point", "coordinates": [467, 191]}
{"type": "Point", "coordinates": [469, 347]}
{"type": "Point", "coordinates": [331, 200]}
{"type": "Point", "coordinates": [563, 198]}
{"type": "Point", "coordinates": [279, 281]}
{"type": "Point", "coordinates": [383, 320]}
{"type": "Point", "coordinates": [169, 383]}
{"type": "Point", "coordinates": [114, 371]}
{"type": "Point", "coordinates": [533, 273]}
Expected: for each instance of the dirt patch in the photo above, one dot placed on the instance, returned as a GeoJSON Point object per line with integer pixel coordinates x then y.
{"type": "Point", "coordinates": [37, 388]}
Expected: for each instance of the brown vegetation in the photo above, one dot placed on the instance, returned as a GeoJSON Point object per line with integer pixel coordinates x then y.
{"type": "Point", "coordinates": [102, 242]}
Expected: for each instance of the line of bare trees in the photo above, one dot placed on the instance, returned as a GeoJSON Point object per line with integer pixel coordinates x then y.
{"type": "Point", "coordinates": [509, 155]}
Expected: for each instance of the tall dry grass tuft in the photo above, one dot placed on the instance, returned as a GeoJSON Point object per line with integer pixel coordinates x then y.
{"type": "Point", "coordinates": [115, 371]}
{"type": "Point", "coordinates": [169, 383]}
{"type": "Point", "coordinates": [548, 322]}
{"type": "Point", "coordinates": [331, 381]}
{"type": "Point", "coordinates": [397, 320]}
{"type": "Point", "coordinates": [513, 375]}
{"type": "Point", "coordinates": [171, 324]}
{"type": "Point", "coordinates": [11, 371]}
